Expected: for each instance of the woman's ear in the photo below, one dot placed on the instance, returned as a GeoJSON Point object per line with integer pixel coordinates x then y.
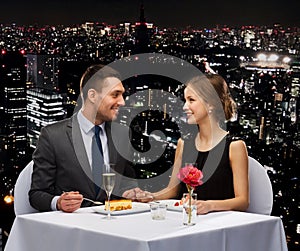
{"type": "Point", "coordinates": [210, 109]}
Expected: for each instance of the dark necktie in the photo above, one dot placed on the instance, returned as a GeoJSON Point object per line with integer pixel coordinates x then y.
{"type": "Point", "coordinates": [97, 159]}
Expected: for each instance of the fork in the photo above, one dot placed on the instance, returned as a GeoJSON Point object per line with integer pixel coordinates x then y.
{"type": "Point", "coordinates": [94, 202]}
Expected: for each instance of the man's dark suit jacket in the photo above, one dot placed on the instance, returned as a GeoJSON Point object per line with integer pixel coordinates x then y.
{"type": "Point", "coordinates": [61, 164]}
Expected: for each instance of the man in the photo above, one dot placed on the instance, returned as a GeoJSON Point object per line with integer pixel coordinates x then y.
{"type": "Point", "coordinates": [63, 165]}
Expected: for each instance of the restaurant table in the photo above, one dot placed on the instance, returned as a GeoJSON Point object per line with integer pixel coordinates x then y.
{"type": "Point", "coordinates": [87, 230]}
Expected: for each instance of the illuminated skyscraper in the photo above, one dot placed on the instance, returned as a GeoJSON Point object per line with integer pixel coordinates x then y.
{"type": "Point", "coordinates": [44, 102]}
{"type": "Point", "coordinates": [141, 34]}
{"type": "Point", "coordinates": [12, 109]}
{"type": "Point", "coordinates": [42, 71]}
{"type": "Point", "coordinates": [295, 80]}
{"type": "Point", "coordinates": [44, 107]}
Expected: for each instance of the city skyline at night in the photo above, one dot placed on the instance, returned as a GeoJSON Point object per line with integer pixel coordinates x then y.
{"type": "Point", "coordinates": [260, 61]}
{"type": "Point", "coordinates": [177, 14]}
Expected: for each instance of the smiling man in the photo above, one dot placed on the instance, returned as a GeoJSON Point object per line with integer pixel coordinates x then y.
{"type": "Point", "coordinates": [65, 161]}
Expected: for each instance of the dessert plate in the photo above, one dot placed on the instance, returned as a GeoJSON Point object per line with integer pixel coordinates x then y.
{"type": "Point", "coordinates": [137, 207]}
{"type": "Point", "coordinates": [172, 205]}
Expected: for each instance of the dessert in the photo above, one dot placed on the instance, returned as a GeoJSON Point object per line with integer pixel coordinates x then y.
{"type": "Point", "coordinates": [117, 205]}
{"type": "Point", "coordinates": [179, 203]}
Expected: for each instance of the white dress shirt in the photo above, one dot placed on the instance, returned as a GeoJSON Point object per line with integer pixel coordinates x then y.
{"type": "Point", "coordinates": [87, 132]}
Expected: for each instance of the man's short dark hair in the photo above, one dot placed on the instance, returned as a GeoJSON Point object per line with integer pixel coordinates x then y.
{"type": "Point", "coordinates": [94, 76]}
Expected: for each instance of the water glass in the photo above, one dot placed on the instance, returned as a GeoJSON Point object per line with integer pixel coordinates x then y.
{"type": "Point", "coordinates": [158, 211]}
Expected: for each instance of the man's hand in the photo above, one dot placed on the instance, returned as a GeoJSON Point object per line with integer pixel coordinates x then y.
{"type": "Point", "coordinates": [130, 194]}
{"type": "Point", "coordinates": [138, 194]}
{"type": "Point", "coordinates": [69, 201]}
{"type": "Point", "coordinates": [144, 196]}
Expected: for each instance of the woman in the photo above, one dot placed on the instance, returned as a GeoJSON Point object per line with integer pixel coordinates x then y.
{"type": "Point", "coordinates": [222, 159]}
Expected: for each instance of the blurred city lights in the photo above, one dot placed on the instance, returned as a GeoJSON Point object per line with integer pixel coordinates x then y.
{"type": "Point", "coordinates": [286, 60]}
{"type": "Point", "coordinates": [9, 199]}
{"type": "Point", "coordinates": [262, 57]}
{"type": "Point", "coordinates": [273, 57]}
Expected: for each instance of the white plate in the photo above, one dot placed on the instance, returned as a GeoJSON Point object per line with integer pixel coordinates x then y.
{"type": "Point", "coordinates": [171, 205]}
{"type": "Point", "coordinates": [137, 207]}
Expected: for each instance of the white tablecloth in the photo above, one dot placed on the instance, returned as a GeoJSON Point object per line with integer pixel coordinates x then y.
{"type": "Point", "coordinates": [84, 230]}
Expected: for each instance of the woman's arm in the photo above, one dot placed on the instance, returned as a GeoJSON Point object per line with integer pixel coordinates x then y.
{"type": "Point", "coordinates": [238, 157]}
{"type": "Point", "coordinates": [173, 187]}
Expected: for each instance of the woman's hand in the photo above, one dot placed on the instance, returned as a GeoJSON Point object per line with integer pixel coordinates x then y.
{"type": "Point", "coordinates": [203, 207]}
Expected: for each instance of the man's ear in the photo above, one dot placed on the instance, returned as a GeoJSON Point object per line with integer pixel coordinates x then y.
{"type": "Point", "coordinates": [91, 95]}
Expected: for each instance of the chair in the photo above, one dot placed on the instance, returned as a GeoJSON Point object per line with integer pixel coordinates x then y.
{"type": "Point", "coordinates": [260, 189]}
{"type": "Point", "coordinates": [22, 187]}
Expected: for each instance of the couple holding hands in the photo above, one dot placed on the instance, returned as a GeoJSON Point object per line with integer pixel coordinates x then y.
{"type": "Point", "coordinates": [63, 156]}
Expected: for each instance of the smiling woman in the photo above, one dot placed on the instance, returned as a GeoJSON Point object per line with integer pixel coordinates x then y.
{"type": "Point", "coordinates": [222, 158]}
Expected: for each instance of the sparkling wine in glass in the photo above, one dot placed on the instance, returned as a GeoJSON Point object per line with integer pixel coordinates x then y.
{"type": "Point", "coordinates": [108, 179]}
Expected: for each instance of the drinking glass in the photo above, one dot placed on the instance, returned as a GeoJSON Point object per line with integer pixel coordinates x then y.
{"type": "Point", "coordinates": [158, 211]}
{"type": "Point", "coordinates": [108, 179]}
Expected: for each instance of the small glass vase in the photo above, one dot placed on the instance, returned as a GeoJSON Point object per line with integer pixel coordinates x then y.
{"type": "Point", "coordinates": [189, 209]}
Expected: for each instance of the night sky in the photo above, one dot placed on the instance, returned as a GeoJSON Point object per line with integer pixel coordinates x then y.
{"type": "Point", "coordinates": [164, 13]}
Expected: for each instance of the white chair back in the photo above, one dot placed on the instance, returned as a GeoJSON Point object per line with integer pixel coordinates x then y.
{"type": "Point", "coordinates": [22, 187]}
{"type": "Point", "coordinates": [260, 189]}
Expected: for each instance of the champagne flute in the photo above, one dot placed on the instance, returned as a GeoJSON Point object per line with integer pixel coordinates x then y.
{"type": "Point", "coordinates": [108, 179]}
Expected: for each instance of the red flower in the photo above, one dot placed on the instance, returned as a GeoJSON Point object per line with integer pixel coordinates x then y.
{"type": "Point", "coordinates": [191, 176]}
